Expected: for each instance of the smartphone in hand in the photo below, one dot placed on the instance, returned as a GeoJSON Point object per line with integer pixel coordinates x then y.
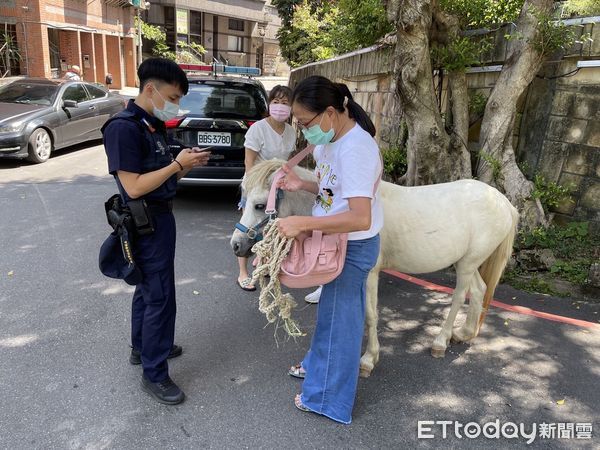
{"type": "Point", "coordinates": [201, 150]}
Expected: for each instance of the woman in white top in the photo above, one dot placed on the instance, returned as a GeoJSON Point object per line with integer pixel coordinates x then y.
{"type": "Point", "coordinates": [268, 138]}
{"type": "Point", "coordinates": [348, 169]}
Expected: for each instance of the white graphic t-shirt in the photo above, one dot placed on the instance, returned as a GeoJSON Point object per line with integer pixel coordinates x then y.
{"type": "Point", "coordinates": [345, 169]}
{"type": "Point", "coordinates": [269, 144]}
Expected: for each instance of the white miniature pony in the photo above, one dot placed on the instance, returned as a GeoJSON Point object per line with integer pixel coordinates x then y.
{"type": "Point", "coordinates": [465, 223]}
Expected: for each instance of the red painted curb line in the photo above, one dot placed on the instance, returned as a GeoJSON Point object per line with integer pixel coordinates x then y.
{"type": "Point", "coordinates": [513, 308]}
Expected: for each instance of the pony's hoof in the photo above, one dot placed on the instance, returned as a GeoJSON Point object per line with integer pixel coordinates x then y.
{"type": "Point", "coordinates": [438, 352]}
{"type": "Point", "coordinates": [459, 336]}
{"type": "Point", "coordinates": [364, 372]}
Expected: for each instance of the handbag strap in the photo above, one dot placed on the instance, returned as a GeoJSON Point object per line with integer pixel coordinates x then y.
{"type": "Point", "coordinates": [293, 162]}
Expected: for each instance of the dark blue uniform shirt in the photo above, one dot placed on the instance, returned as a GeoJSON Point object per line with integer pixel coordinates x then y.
{"type": "Point", "coordinates": [139, 146]}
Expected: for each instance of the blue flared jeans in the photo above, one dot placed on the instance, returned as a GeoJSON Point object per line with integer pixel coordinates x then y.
{"type": "Point", "coordinates": [333, 362]}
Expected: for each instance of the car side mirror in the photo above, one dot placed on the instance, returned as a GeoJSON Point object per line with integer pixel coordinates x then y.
{"type": "Point", "coordinates": [69, 104]}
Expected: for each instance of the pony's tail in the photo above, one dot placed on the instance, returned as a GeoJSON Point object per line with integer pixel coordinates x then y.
{"type": "Point", "coordinates": [492, 268]}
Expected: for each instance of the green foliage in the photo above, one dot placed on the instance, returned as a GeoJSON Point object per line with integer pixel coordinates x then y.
{"type": "Point", "coordinates": [551, 35]}
{"type": "Point", "coordinates": [477, 102]}
{"type": "Point", "coordinates": [10, 54]}
{"type": "Point", "coordinates": [151, 32]}
{"type": "Point", "coordinates": [573, 245]}
{"type": "Point", "coordinates": [308, 37]}
{"type": "Point", "coordinates": [583, 7]}
{"type": "Point", "coordinates": [189, 53]}
{"type": "Point", "coordinates": [483, 13]}
{"type": "Point", "coordinates": [575, 272]}
{"type": "Point", "coordinates": [159, 37]}
{"type": "Point", "coordinates": [394, 162]}
{"type": "Point", "coordinates": [460, 53]}
{"type": "Point", "coordinates": [359, 24]}
{"type": "Point", "coordinates": [494, 163]}
{"type": "Point", "coordinates": [164, 51]}
{"type": "Point", "coordinates": [319, 30]}
{"type": "Point", "coordinates": [550, 193]}
{"type": "Point", "coordinates": [285, 9]}
{"type": "Point", "coordinates": [529, 282]}
{"type": "Point", "coordinates": [561, 238]}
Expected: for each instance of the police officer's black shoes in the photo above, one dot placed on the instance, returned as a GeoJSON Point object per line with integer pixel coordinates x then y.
{"type": "Point", "coordinates": [166, 391]}
{"type": "Point", "coordinates": [135, 357]}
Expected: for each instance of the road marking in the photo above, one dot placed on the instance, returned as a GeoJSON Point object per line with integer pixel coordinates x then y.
{"type": "Point", "coordinates": [513, 308]}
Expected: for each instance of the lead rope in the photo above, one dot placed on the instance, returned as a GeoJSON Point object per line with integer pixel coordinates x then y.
{"type": "Point", "coordinates": [274, 304]}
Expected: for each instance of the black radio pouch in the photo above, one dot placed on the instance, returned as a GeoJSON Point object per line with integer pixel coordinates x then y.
{"type": "Point", "coordinates": [141, 217]}
{"type": "Point", "coordinates": [117, 214]}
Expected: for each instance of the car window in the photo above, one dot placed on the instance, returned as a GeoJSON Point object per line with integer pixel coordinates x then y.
{"type": "Point", "coordinates": [95, 92]}
{"type": "Point", "coordinates": [75, 92]}
{"type": "Point", "coordinates": [222, 100]}
{"type": "Point", "coordinates": [28, 93]}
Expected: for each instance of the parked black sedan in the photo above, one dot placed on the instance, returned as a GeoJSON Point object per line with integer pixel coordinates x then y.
{"type": "Point", "coordinates": [38, 115]}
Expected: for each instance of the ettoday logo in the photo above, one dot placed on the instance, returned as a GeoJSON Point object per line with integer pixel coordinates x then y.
{"type": "Point", "coordinates": [433, 429]}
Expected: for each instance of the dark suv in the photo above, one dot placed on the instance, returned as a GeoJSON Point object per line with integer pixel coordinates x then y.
{"type": "Point", "coordinates": [216, 113]}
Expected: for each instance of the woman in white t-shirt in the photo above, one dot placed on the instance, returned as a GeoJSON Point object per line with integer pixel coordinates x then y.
{"type": "Point", "coordinates": [348, 167]}
{"type": "Point", "coordinates": [268, 138]}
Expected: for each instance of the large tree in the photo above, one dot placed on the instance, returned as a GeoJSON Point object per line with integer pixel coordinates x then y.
{"type": "Point", "coordinates": [430, 35]}
{"type": "Point", "coordinates": [315, 29]}
{"type": "Point", "coordinates": [436, 149]}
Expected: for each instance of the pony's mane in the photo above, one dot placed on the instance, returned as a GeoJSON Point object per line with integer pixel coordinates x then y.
{"type": "Point", "coordinates": [259, 176]}
{"type": "Point", "coordinates": [260, 173]}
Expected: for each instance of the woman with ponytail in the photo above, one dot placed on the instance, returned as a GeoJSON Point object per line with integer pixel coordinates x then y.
{"type": "Point", "coordinates": [348, 168]}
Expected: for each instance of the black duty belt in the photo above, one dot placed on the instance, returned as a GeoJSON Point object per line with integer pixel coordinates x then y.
{"type": "Point", "coordinates": [160, 206]}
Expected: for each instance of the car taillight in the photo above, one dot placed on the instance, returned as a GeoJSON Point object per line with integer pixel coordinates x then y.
{"type": "Point", "coordinates": [250, 122]}
{"type": "Point", "coordinates": [173, 123]}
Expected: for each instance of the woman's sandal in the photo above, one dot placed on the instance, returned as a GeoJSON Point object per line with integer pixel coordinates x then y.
{"type": "Point", "coordinates": [297, 371]}
{"type": "Point", "coordinates": [299, 405]}
{"type": "Point", "coordinates": [246, 284]}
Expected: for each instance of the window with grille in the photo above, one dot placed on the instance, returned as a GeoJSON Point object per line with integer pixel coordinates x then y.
{"type": "Point", "coordinates": [236, 25]}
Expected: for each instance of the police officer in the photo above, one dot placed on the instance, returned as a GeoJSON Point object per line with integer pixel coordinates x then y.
{"type": "Point", "coordinates": [144, 168]}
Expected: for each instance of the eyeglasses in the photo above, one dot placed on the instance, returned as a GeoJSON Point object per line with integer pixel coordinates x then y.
{"type": "Point", "coordinates": [306, 125]}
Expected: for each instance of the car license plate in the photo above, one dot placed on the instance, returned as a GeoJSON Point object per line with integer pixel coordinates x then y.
{"type": "Point", "coordinates": [212, 138]}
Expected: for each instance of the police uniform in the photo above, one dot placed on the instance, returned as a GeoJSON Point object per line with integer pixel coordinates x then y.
{"type": "Point", "coordinates": [137, 142]}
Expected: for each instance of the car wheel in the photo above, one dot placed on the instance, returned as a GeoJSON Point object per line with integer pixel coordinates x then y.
{"type": "Point", "coordinates": [40, 146]}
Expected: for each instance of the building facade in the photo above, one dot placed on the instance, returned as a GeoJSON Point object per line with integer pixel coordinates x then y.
{"type": "Point", "coordinates": [50, 36]}
{"type": "Point", "coordinates": [234, 32]}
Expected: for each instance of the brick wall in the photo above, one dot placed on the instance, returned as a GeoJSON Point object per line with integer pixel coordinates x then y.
{"type": "Point", "coordinates": [113, 60]}
{"type": "Point", "coordinates": [85, 21]}
{"type": "Point", "coordinates": [100, 57]}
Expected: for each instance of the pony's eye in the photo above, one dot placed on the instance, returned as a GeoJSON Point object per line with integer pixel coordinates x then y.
{"type": "Point", "coordinates": [259, 207]}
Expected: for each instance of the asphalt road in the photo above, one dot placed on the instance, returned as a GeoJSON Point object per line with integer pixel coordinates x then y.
{"type": "Point", "coordinates": [64, 335]}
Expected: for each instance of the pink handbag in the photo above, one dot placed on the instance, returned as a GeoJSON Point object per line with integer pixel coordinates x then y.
{"type": "Point", "coordinates": [314, 259]}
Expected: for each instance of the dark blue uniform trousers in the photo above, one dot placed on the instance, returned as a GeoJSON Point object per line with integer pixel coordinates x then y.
{"type": "Point", "coordinates": [153, 305]}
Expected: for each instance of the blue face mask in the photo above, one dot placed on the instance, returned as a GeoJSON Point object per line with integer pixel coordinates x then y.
{"type": "Point", "coordinates": [316, 136]}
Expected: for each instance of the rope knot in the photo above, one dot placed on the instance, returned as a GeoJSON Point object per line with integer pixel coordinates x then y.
{"type": "Point", "coordinates": [274, 304]}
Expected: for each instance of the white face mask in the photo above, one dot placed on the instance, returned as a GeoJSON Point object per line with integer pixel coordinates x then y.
{"type": "Point", "coordinates": [169, 111]}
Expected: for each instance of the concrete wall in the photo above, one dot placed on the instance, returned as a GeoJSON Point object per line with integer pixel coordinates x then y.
{"type": "Point", "coordinates": [560, 137]}
{"type": "Point", "coordinates": [368, 76]}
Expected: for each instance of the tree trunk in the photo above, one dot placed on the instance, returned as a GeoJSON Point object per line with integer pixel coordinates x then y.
{"type": "Point", "coordinates": [429, 151]}
{"type": "Point", "coordinates": [498, 166]}
{"type": "Point", "coordinates": [459, 102]}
